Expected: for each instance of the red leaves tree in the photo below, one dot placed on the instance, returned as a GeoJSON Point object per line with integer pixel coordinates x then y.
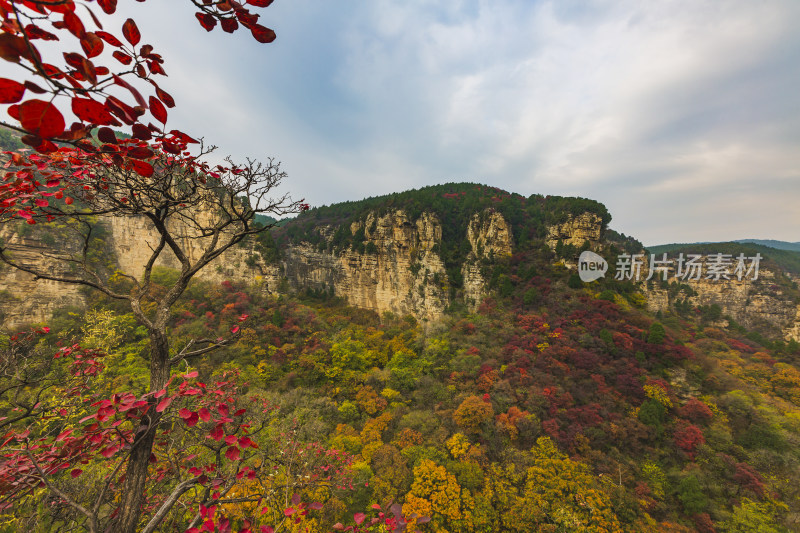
{"type": "Point", "coordinates": [97, 76]}
{"type": "Point", "coordinates": [688, 437]}
{"type": "Point", "coordinates": [696, 411]}
{"type": "Point", "coordinates": [195, 212]}
{"type": "Point", "coordinates": [210, 451]}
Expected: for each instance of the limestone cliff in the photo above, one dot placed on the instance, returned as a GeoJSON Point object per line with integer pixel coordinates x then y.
{"type": "Point", "coordinates": [131, 241]}
{"type": "Point", "coordinates": [400, 273]}
{"type": "Point", "coordinates": [23, 299]}
{"type": "Point", "coordinates": [762, 304]}
{"type": "Point", "coordinates": [577, 230]}
{"type": "Point", "coordinates": [128, 243]}
{"type": "Point", "coordinates": [490, 237]}
{"type": "Point", "coordinates": [397, 268]}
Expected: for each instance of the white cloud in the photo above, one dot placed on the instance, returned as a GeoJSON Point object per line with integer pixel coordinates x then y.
{"type": "Point", "coordinates": [679, 108]}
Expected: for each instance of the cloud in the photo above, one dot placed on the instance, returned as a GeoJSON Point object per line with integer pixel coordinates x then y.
{"type": "Point", "coordinates": [682, 116]}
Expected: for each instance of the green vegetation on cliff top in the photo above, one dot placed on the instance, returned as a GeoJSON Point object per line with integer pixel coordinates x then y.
{"type": "Point", "coordinates": [786, 260]}
{"type": "Point", "coordinates": [454, 204]}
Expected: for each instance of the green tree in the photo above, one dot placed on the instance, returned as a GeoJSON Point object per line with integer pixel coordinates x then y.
{"type": "Point", "coordinates": [692, 495]}
{"type": "Point", "coordinates": [656, 334]}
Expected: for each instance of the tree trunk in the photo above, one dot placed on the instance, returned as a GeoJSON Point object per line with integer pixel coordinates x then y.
{"type": "Point", "coordinates": [133, 491]}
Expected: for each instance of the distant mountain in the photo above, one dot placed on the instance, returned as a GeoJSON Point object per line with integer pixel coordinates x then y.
{"type": "Point", "coordinates": [772, 243]}
{"type": "Point", "coordinates": [786, 259]}
{"type": "Point", "coordinates": [780, 245]}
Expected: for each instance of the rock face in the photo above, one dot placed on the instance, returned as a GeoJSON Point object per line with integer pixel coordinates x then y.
{"type": "Point", "coordinates": [129, 242]}
{"type": "Point", "coordinates": [761, 304]}
{"type": "Point", "coordinates": [403, 275]}
{"type": "Point", "coordinates": [399, 270]}
{"type": "Point", "coordinates": [25, 300]}
{"type": "Point", "coordinates": [132, 239]}
{"type": "Point", "coordinates": [490, 237]}
{"type": "Point", "coordinates": [576, 230]}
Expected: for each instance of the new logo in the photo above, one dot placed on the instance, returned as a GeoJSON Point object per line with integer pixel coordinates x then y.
{"type": "Point", "coordinates": [591, 266]}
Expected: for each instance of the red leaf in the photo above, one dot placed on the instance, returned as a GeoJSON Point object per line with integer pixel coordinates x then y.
{"type": "Point", "coordinates": [205, 414]}
{"type": "Point", "coordinates": [121, 109]}
{"type": "Point", "coordinates": [63, 435]}
{"type": "Point", "coordinates": [76, 472]}
{"type": "Point", "coordinates": [158, 110]}
{"type": "Point", "coordinates": [109, 38]}
{"type": "Point", "coordinates": [229, 25]}
{"type": "Point", "coordinates": [92, 44]}
{"type": "Point", "coordinates": [223, 409]}
{"type": "Point", "coordinates": [41, 118]}
{"type": "Point", "coordinates": [91, 111]}
{"type": "Point", "coordinates": [10, 91]}
{"type": "Point", "coordinates": [259, 3]}
{"type": "Point", "coordinates": [140, 152]}
{"type": "Point", "coordinates": [142, 168]}
{"type": "Point", "coordinates": [13, 47]}
{"type": "Point", "coordinates": [358, 518]}
{"type": "Point", "coordinates": [122, 83]}
{"type": "Point", "coordinates": [165, 97]}
{"type": "Point", "coordinates": [35, 32]}
{"type": "Point", "coordinates": [131, 32]}
{"type": "Point", "coordinates": [234, 329]}
{"type": "Point", "coordinates": [163, 404]}
{"type": "Point", "coordinates": [217, 433]}
{"type": "Point", "coordinates": [192, 420]}
{"type": "Point", "coordinates": [109, 6]}
{"type": "Point", "coordinates": [34, 88]}
{"type": "Point", "coordinates": [262, 34]}
{"type": "Point", "coordinates": [289, 512]}
{"type": "Point", "coordinates": [232, 453]}
{"type": "Point", "coordinates": [107, 135]}
{"type": "Point", "coordinates": [123, 58]}
{"type": "Point", "coordinates": [74, 24]}
{"type": "Point", "coordinates": [141, 132]}
{"type": "Point", "coordinates": [206, 20]}
{"type": "Point", "coordinates": [110, 451]}
{"type": "Point", "coordinates": [13, 111]}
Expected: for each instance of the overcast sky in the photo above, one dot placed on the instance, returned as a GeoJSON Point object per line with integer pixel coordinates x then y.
{"type": "Point", "coordinates": [682, 117]}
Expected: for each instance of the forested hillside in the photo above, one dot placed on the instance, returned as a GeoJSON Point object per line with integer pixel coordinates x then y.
{"type": "Point", "coordinates": [553, 407]}
{"type": "Point", "coordinates": [328, 227]}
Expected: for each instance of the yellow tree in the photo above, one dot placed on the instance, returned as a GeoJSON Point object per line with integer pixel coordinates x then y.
{"type": "Point", "coordinates": [562, 495]}
{"type": "Point", "coordinates": [435, 493]}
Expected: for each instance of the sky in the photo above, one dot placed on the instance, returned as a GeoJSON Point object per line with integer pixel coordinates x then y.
{"type": "Point", "coordinates": [682, 117]}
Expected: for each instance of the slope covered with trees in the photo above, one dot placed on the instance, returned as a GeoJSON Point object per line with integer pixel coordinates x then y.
{"type": "Point", "coordinates": [550, 408]}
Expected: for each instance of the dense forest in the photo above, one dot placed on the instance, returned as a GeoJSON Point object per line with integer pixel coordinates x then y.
{"type": "Point", "coordinates": [555, 406]}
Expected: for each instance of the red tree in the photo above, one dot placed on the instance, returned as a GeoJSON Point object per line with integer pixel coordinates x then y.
{"type": "Point", "coordinates": [94, 74]}
{"type": "Point", "coordinates": [151, 176]}
{"type": "Point", "coordinates": [688, 438]}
